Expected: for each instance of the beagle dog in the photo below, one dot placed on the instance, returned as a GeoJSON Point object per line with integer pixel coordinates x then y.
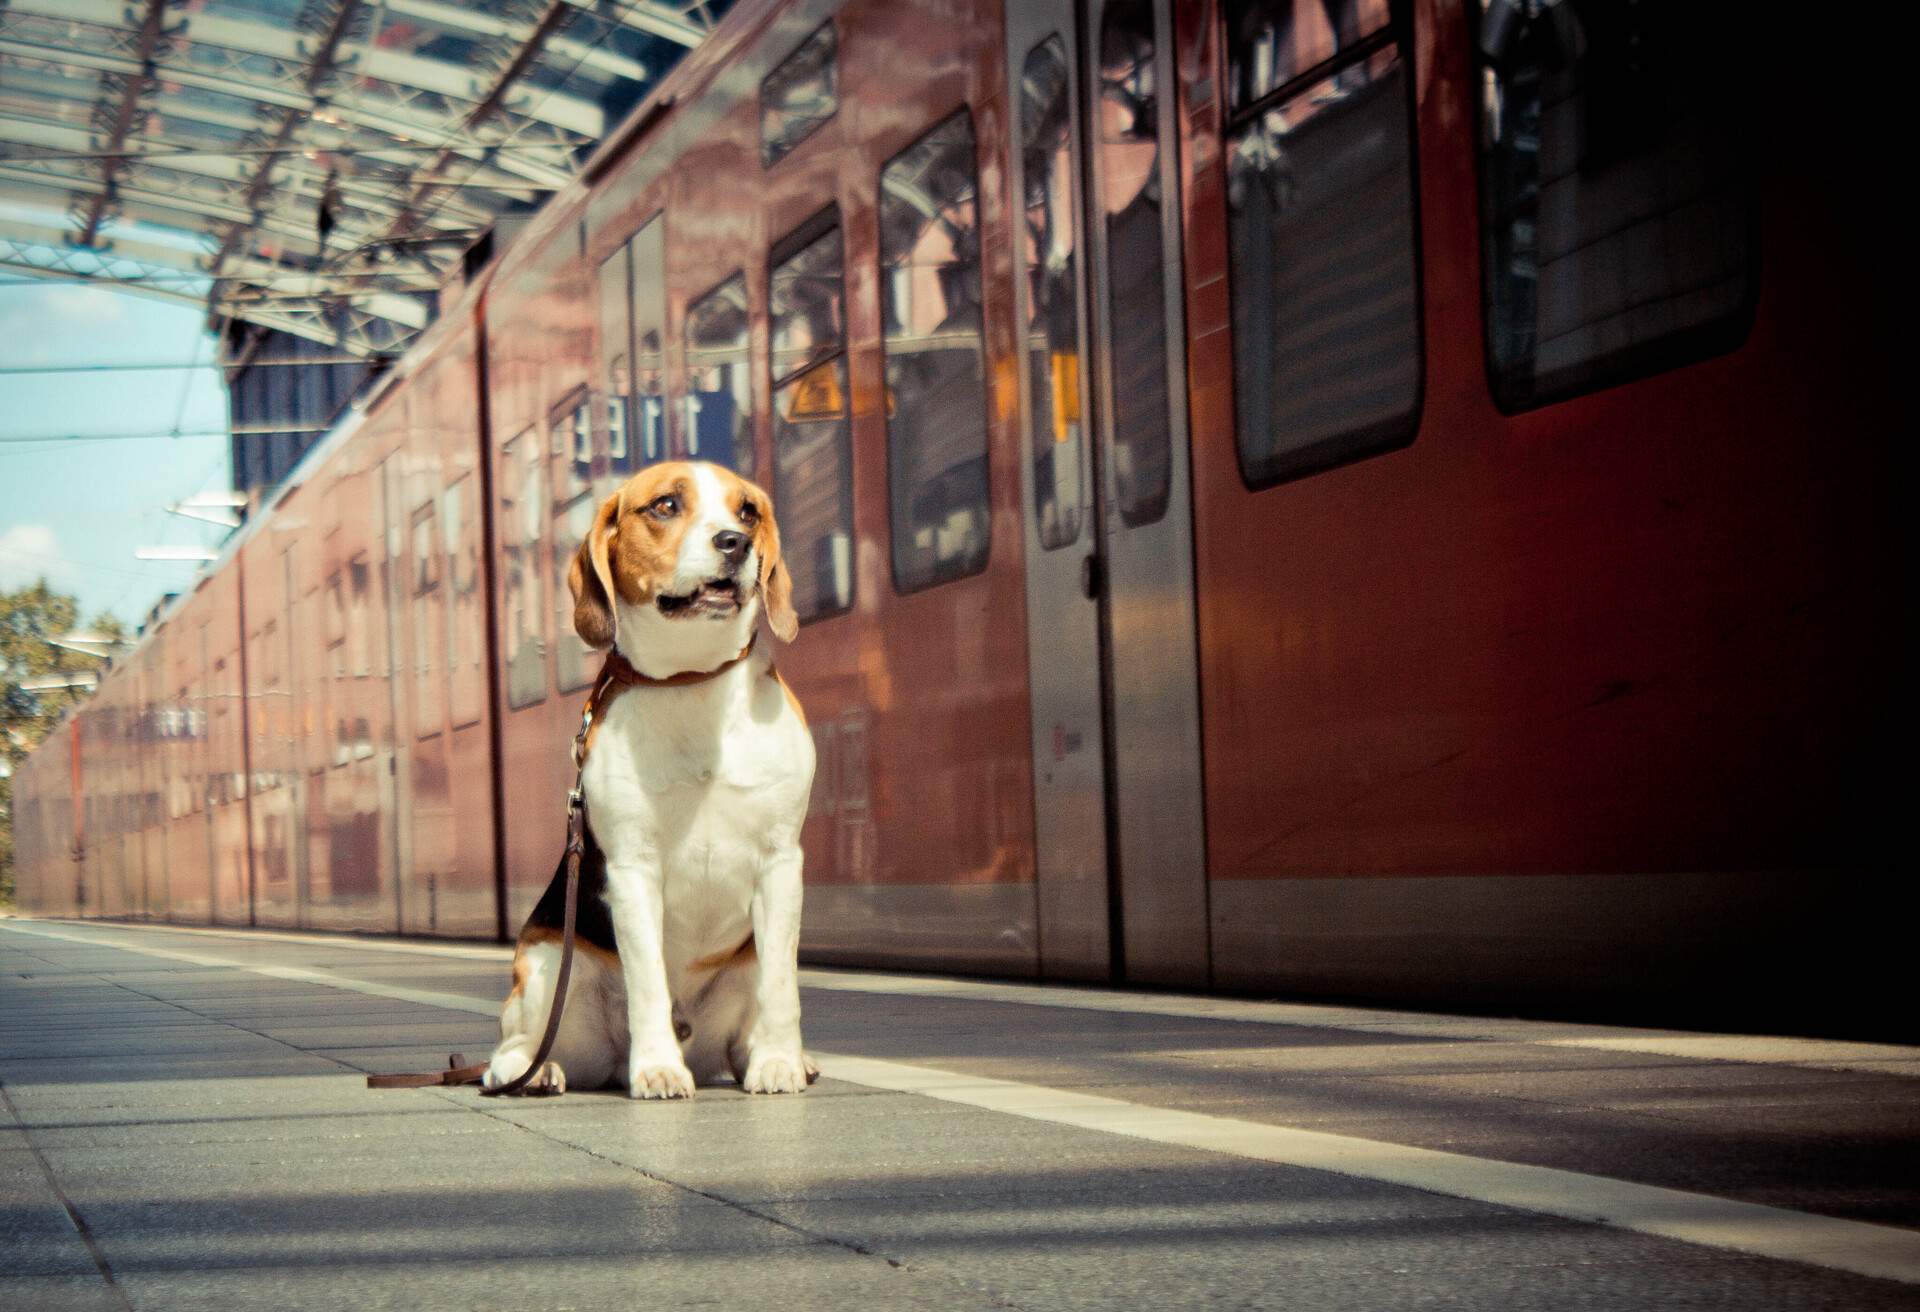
{"type": "Point", "coordinates": [688, 922]}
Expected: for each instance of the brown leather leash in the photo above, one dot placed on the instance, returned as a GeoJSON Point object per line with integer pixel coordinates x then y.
{"type": "Point", "coordinates": [616, 671]}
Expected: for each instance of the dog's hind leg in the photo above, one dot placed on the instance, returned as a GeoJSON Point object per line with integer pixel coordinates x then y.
{"type": "Point", "coordinates": [585, 1052]}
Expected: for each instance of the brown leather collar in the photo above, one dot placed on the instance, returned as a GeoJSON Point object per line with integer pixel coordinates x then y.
{"type": "Point", "coordinates": [620, 670]}
{"type": "Point", "coordinates": [618, 674]}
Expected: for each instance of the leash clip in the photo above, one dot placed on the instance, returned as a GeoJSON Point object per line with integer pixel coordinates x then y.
{"type": "Point", "coordinates": [580, 739]}
{"type": "Point", "coordinates": [576, 822]}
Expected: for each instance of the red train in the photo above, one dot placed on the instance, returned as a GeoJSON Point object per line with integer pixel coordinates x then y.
{"type": "Point", "coordinates": [1328, 498]}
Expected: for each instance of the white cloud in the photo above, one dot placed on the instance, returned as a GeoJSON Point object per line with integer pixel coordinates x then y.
{"type": "Point", "coordinates": [26, 552]}
{"type": "Point", "coordinates": [93, 305]}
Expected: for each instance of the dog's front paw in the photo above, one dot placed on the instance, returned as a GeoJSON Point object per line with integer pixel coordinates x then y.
{"type": "Point", "coordinates": [778, 1071]}
{"type": "Point", "coordinates": [654, 1077]}
{"type": "Point", "coordinates": [505, 1069]}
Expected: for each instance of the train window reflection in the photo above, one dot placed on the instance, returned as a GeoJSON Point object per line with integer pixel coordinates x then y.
{"type": "Point", "coordinates": [1056, 438]}
{"type": "Point", "coordinates": [1321, 238]}
{"type": "Point", "coordinates": [460, 530]}
{"type": "Point", "coordinates": [633, 318]}
{"type": "Point", "coordinates": [1271, 43]}
{"type": "Point", "coordinates": [523, 513]}
{"type": "Point", "coordinates": [812, 432]}
{"type": "Point", "coordinates": [337, 624]}
{"type": "Point", "coordinates": [1128, 130]}
{"type": "Point", "coordinates": [359, 628]}
{"type": "Point", "coordinates": [429, 624]}
{"type": "Point", "coordinates": [1618, 197]}
{"type": "Point", "coordinates": [808, 297]}
{"type": "Point", "coordinates": [719, 403]}
{"type": "Point", "coordinates": [799, 95]}
{"type": "Point", "coordinates": [648, 413]}
{"type": "Point", "coordinates": [936, 387]}
{"type": "Point", "coordinates": [570, 439]}
{"type": "Point", "coordinates": [616, 348]}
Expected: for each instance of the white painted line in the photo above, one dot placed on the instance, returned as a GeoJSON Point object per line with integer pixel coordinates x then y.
{"type": "Point", "coordinates": [1772, 1232]}
{"type": "Point", "coordinates": [1809, 1054]}
{"type": "Point", "coordinates": [1880, 1251]}
{"type": "Point", "coordinates": [270, 934]}
{"type": "Point", "coordinates": [1813, 1054]}
{"type": "Point", "coordinates": [400, 993]}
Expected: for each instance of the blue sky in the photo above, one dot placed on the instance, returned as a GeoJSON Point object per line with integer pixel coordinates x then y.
{"type": "Point", "coordinates": [75, 511]}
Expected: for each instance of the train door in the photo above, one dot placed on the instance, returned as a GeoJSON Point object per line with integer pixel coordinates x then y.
{"type": "Point", "coordinates": [1109, 535]}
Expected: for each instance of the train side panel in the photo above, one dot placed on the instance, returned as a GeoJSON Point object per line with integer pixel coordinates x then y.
{"type": "Point", "coordinates": [440, 594]}
{"type": "Point", "coordinates": [1569, 703]}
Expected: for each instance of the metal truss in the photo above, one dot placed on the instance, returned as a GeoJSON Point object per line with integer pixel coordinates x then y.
{"type": "Point", "coordinates": [327, 167]}
{"type": "Point", "coordinates": [377, 318]}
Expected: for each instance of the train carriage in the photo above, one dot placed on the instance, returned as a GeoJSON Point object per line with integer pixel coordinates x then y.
{"type": "Point", "coordinates": [1351, 498]}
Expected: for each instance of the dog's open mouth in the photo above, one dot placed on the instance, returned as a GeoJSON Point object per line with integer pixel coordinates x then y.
{"type": "Point", "coordinates": [717, 598]}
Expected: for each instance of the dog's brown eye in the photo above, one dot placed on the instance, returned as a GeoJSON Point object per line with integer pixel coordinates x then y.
{"type": "Point", "coordinates": [749, 514]}
{"type": "Point", "coordinates": [664, 507]}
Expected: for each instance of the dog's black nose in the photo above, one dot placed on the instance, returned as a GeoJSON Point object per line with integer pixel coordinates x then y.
{"type": "Point", "coordinates": [731, 545]}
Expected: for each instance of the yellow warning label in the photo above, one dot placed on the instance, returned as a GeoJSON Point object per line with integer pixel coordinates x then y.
{"type": "Point", "coordinates": [815, 395]}
{"type": "Point", "coordinates": [1064, 366]}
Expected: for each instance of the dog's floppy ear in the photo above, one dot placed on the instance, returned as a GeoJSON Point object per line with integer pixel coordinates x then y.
{"type": "Point", "coordinates": [776, 582]}
{"type": "Point", "coordinates": [591, 578]}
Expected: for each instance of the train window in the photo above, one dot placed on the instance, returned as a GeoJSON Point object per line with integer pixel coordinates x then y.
{"type": "Point", "coordinates": [812, 432]}
{"type": "Point", "coordinates": [337, 624]}
{"type": "Point", "coordinates": [1321, 236]}
{"type": "Point", "coordinates": [219, 783]}
{"type": "Point", "coordinates": [648, 413]}
{"type": "Point", "coordinates": [570, 443]}
{"type": "Point", "coordinates": [359, 624]}
{"type": "Point", "coordinates": [523, 513]}
{"type": "Point", "coordinates": [616, 355]}
{"type": "Point", "coordinates": [799, 95]}
{"type": "Point", "coordinates": [719, 416]}
{"type": "Point", "coordinates": [1057, 440]}
{"type": "Point", "coordinates": [1127, 124]}
{"type": "Point", "coordinates": [808, 297]}
{"type": "Point", "coordinates": [312, 678]}
{"type": "Point", "coordinates": [465, 628]}
{"type": "Point", "coordinates": [936, 384]}
{"type": "Point", "coordinates": [1617, 193]}
{"type": "Point", "coordinates": [429, 622]}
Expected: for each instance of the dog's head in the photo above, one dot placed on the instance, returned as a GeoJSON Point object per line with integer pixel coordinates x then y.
{"type": "Point", "coordinates": [678, 565]}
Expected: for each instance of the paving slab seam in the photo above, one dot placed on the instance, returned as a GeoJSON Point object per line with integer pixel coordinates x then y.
{"type": "Point", "coordinates": [1862, 1248]}
{"type": "Point", "coordinates": [1900, 1060]}
{"type": "Point", "coordinates": [812, 1236]}
{"type": "Point", "coordinates": [79, 1222]}
{"type": "Point", "coordinates": [227, 1024]}
{"type": "Point", "coordinates": [201, 1017]}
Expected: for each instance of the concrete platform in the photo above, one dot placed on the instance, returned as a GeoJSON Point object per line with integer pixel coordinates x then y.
{"type": "Point", "coordinates": [183, 1124]}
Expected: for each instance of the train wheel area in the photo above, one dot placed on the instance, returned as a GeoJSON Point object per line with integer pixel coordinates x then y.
{"type": "Point", "coordinates": [186, 1126]}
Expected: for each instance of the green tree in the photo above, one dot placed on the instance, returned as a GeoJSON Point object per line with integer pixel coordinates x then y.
{"type": "Point", "coordinates": [30, 619]}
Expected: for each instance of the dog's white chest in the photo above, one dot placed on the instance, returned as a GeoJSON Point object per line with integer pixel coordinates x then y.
{"type": "Point", "coordinates": [700, 787]}
{"type": "Point", "coordinates": [733, 751]}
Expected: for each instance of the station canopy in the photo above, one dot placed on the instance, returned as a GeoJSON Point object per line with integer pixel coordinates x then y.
{"type": "Point", "coordinates": [314, 166]}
